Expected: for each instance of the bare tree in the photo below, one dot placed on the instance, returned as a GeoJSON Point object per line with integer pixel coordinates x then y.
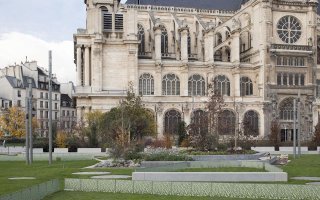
{"type": "Point", "coordinates": [274, 133]}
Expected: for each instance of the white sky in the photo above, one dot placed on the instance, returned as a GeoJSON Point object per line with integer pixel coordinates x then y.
{"type": "Point", "coordinates": [30, 28]}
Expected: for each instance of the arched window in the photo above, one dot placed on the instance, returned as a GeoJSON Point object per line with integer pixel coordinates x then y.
{"type": "Point", "coordinates": [246, 86]}
{"type": "Point", "coordinates": [218, 55]}
{"type": "Point", "coordinates": [226, 123]}
{"type": "Point", "coordinates": [146, 84]}
{"type": "Point", "coordinates": [286, 109]}
{"type": "Point", "coordinates": [170, 85]}
{"type": "Point", "coordinates": [218, 39]}
{"type": "Point", "coordinates": [199, 122]}
{"type": "Point", "coordinates": [171, 121]}
{"type": "Point", "coordinates": [251, 123]}
{"type": "Point", "coordinates": [222, 85]}
{"type": "Point", "coordinates": [196, 85]}
{"type": "Point", "coordinates": [141, 38]}
{"type": "Point", "coordinates": [164, 40]}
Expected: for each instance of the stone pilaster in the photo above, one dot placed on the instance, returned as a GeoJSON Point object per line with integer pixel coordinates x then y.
{"type": "Point", "coordinates": [184, 44]}
{"type": "Point", "coordinates": [235, 46]}
{"type": "Point", "coordinates": [87, 66]}
{"type": "Point", "coordinates": [79, 67]}
{"type": "Point", "coordinates": [157, 45]}
{"type": "Point", "coordinates": [208, 46]}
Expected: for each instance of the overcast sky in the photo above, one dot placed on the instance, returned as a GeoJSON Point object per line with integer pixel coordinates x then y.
{"type": "Point", "coordinates": [30, 28]}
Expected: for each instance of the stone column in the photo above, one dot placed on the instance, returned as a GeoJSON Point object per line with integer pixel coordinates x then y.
{"type": "Point", "coordinates": [87, 66]}
{"type": "Point", "coordinates": [184, 44]}
{"type": "Point", "coordinates": [208, 46]}
{"type": "Point", "coordinates": [157, 45]}
{"type": "Point", "coordinates": [237, 84]}
{"type": "Point", "coordinates": [235, 46]}
{"type": "Point", "coordinates": [158, 81]}
{"type": "Point", "coordinates": [79, 67]}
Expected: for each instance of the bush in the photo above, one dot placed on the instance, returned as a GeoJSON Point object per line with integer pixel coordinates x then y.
{"type": "Point", "coordinates": [166, 157]}
{"type": "Point", "coordinates": [41, 143]}
{"type": "Point", "coordinates": [133, 155]}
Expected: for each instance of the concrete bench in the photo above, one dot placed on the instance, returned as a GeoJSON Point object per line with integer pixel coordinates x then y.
{"type": "Point", "coordinates": [263, 149]}
{"type": "Point", "coordinates": [89, 150]}
{"type": "Point", "coordinates": [211, 176]}
{"type": "Point", "coordinates": [60, 150]}
{"type": "Point", "coordinates": [290, 149]}
{"type": "Point", "coordinates": [37, 150]}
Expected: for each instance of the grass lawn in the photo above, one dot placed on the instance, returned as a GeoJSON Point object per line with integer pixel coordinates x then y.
{"type": "Point", "coordinates": [111, 196]}
{"type": "Point", "coordinates": [43, 172]}
{"type": "Point", "coordinates": [222, 169]}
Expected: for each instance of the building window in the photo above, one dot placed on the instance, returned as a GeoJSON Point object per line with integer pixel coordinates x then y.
{"type": "Point", "coordinates": [251, 123]}
{"type": "Point", "coordinates": [170, 85]}
{"type": "Point", "coordinates": [290, 61]}
{"type": "Point", "coordinates": [226, 123]}
{"type": "Point", "coordinates": [164, 40]}
{"type": "Point", "coordinates": [41, 104]}
{"type": "Point", "coordinates": [218, 55]}
{"type": "Point", "coordinates": [290, 79]}
{"type": "Point", "coordinates": [141, 38]}
{"type": "Point", "coordinates": [171, 122]}
{"type": "Point", "coordinates": [41, 95]}
{"type": "Point", "coordinates": [47, 114]}
{"type": "Point", "coordinates": [41, 114]}
{"type": "Point", "coordinates": [47, 105]}
{"type": "Point", "coordinates": [222, 85]}
{"type": "Point", "coordinates": [19, 93]}
{"type": "Point", "coordinates": [286, 109]}
{"type": "Point", "coordinates": [146, 84]}
{"type": "Point", "coordinates": [56, 106]}
{"type": "Point", "coordinates": [107, 19]}
{"type": "Point", "coordinates": [246, 86]}
{"type": "Point", "coordinates": [199, 122]}
{"type": "Point", "coordinates": [119, 22]}
{"type": "Point", "coordinates": [47, 96]}
{"type": "Point", "coordinates": [196, 85]}
{"type": "Point", "coordinates": [72, 113]}
{"type": "Point", "coordinates": [19, 103]}
{"type": "Point", "coordinates": [56, 115]}
{"type": "Point", "coordinates": [289, 29]}
{"type": "Point", "coordinates": [63, 113]}
{"type": "Point", "coordinates": [68, 113]}
{"type": "Point", "coordinates": [56, 96]}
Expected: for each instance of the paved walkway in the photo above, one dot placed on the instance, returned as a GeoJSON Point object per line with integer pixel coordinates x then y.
{"type": "Point", "coordinates": [305, 178]}
{"type": "Point", "coordinates": [314, 183]}
{"type": "Point", "coordinates": [111, 177]}
{"type": "Point", "coordinates": [91, 173]}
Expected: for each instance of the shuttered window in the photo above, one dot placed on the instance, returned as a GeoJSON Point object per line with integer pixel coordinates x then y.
{"type": "Point", "coordinates": [107, 20]}
{"type": "Point", "coordinates": [119, 22]}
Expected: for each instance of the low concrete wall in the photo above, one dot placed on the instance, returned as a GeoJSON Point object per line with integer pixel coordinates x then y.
{"type": "Point", "coordinates": [228, 157]}
{"type": "Point", "coordinates": [37, 150]}
{"type": "Point", "coordinates": [211, 176]}
{"type": "Point", "coordinates": [60, 150]}
{"type": "Point", "coordinates": [89, 150]}
{"type": "Point", "coordinates": [12, 150]}
{"type": "Point", "coordinates": [318, 149]}
{"type": "Point", "coordinates": [290, 149]}
{"type": "Point", "coordinates": [263, 149]}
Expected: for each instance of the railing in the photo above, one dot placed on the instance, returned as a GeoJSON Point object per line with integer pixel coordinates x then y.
{"type": "Point", "coordinates": [168, 55]}
{"type": "Point", "coordinates": [291, 47]}
{"type": "Point", "coordinates": [36, 192]}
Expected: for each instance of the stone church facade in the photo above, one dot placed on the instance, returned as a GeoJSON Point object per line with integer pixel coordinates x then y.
{"type": "Point", "coordinates": [258, 54]}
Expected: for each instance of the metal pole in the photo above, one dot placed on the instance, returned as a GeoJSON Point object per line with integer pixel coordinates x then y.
{"type": "Point", "coordinates": [294, 128]}
{"type": "Point", "coordinates": [299, 125]}
{"type": "Point", "coordinates": [50, 107]}
{"type": "Point", "coordinates": [27, 128]}
{"type": "Point", "coordinates": [30, 121]}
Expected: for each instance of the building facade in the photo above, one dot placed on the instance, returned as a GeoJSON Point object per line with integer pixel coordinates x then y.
{"type": "Point", "coordinates": [258, 54]}
{"type": "Point", "coordinates": [15, 81]}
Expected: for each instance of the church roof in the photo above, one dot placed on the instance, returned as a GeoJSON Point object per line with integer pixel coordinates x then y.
{"type": "Point", "coordinates": [199, 4]}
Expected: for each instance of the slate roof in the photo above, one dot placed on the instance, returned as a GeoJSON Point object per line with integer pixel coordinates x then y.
{"type": "Point", "coordinates": [199, 4]}
{"type": "Point", "coordinates": [67, 99]}
{"type": "Point", "coordinates": [17, 83]}
{"type": "Point", "coordinates": [231, 5]}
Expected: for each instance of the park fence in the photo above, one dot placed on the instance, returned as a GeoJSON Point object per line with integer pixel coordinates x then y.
{"type": "Point", "coordinates": [227, 190]}
{"type": "Point", "coordinates": [36, 192]}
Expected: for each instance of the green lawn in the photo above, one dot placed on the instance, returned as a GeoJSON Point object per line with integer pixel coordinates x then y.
{"type": "Point", "coordinates": [111, 196]}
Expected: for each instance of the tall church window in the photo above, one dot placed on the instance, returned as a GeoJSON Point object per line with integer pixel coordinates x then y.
{"type": "Point", "coordinates": [246, 86]}
{"type": "Point", "coordinates": [286, 109]}
{"type": "Point", "coordinates": [171, 121]}
{"type": "Point", "coordinates": [170, 85]}
{"type": "Point", "coordinates": [107, 19]}
{"type": "Point", "coordinates": [146, 84]}
{"type": "Point", "coordinates": [141, 38]}
{"type": "Point", "coordinates": [164, 40]}
{"type": "Point", "coordinates": [196, 85]}
{"type": "Point", "coordinates": [251, 123]}
{"type": "Point", "coordinates": [226, 123]}
{"type": "Point", "coordinates": [199, 122]}
{"type": "Point", "coordinates": [222, 85]}
{"type": "Point", "coordinates": [289, 29]}
{"type": "Point", "coordinates": [189, 44]}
